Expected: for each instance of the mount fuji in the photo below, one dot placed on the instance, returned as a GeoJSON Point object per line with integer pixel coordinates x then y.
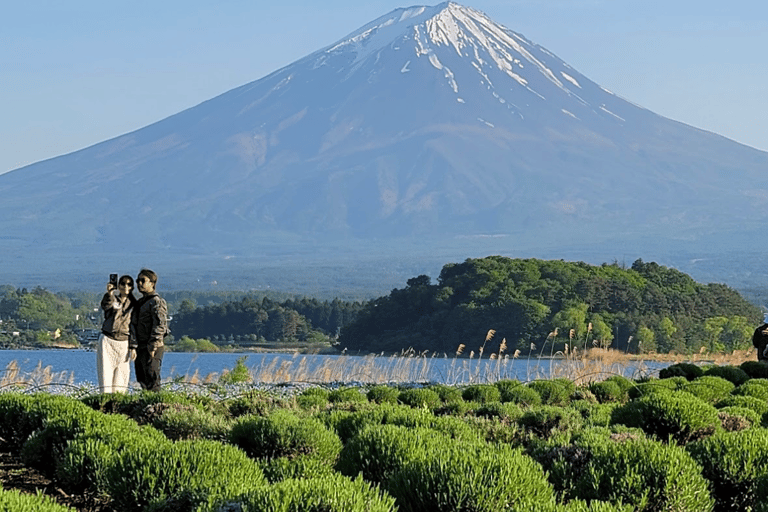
{"type": "Point", "coordinates": [429, 133]}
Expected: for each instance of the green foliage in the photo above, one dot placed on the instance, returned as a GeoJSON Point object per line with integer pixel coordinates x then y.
{"type": "Point", "coordinates": [482, 393]}
{"type": "Point", "coordinates": [192, 423]}
{"type": "Point", "coordinates": [182, 475]}
{"type": "Point", "coordinates": [553, 392]}
{"type": "Point", "coordinates": [544, 420]}
{"type": "Point", "coordinates": [678, 415]}
{"type": "Point", "coordinates": [733, 462]}
{"type": "Point", "coordinates": [757, 388]}
{"type": "Point", "coordinates": [732, 373]}
{"type": "Point", "coordinates": [503, 411]}
{"type": "Point", "coordinates": [478, 477]}
{"type": "Point", "coordinates": [382, 394]}
{"type": "Point", "coordinates": [523, 395]}
{"type": "Point", "coordinates": [656, 386]}
{"type": "Point", "coordinates": [751, 416]}
{"type": "Point", "coordinates": [351, 395]}
{"type": "Point", "coordinates": [523, 299]}
{"type": "Point", "coordinates": [446, 393]}
{"type": "Point", "coordinates": [709, 388]}
{"type": "Point", "coordinates": [285, 434]}
{"type": "Point", "coordinates": [187, 344]}
{"type": "Point", "coordinates": [755, 369]}
{"type": "Point", "coordinates": [607, 391]}
{"type": "Point", "coordinates": [420, 398]}
{"type": "Point", "coordinates": [688, 370]}
{"type": "Point", "coordinates": [238, 374]}
{"type": "Point", "coordinates": [646, 474]}
{"type": "Point", "coordinates": [15, 501]}
{"type": "Point", "coordinates": [598, 415]}
{"type": "Point", "coordinates": [256, 402]}
{"type": "Point", "coordinates": [378, 450]}
{"type": "Point", "coordinates": [301, 466]}
{"type": "Point", "coordinates": [328, 493]}
{"type": "Point", "coordinates": [750, 402]}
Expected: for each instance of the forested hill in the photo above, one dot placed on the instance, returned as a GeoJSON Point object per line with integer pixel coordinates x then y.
{"type": "Point", "coordinates": [530, 302]}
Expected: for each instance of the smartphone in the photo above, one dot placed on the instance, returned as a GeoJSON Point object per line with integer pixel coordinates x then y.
{"type": "Point", "coordinates": [113, 280]}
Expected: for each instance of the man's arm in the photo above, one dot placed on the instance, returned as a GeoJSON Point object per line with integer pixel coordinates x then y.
{"type": "Point", "coordinates": [159, 323]}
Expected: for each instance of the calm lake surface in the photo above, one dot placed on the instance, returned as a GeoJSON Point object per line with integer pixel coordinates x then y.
{"type": "Point", "coordinates": [79, 367]}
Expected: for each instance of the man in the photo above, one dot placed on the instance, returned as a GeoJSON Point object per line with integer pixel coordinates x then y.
{"type": "Point", "coordinates": [760, 341]}
{"type": "Point", "coordinates": [149, 325]}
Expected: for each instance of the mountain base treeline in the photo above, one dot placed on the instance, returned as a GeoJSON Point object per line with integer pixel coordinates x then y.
{"type": "Point", "coordinates": [548, 306]}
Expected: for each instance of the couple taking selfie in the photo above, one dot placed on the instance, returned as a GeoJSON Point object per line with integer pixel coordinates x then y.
{"type": "Point", "coordinates": [133, 330]}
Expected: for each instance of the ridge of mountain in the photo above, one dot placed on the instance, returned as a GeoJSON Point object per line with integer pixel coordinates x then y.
{"type": "Point", "coordinates": [429, 131]}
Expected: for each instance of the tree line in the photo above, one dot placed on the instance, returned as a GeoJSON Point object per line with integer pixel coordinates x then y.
{"type": "Point", "coordinates": [531, 303]}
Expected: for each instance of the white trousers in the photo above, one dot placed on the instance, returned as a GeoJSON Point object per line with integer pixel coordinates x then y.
{"type": "Point", "coordinates": [112, 365]}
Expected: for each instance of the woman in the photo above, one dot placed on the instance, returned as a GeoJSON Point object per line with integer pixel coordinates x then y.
{"type": "Point", "coordinates": [113, 356]}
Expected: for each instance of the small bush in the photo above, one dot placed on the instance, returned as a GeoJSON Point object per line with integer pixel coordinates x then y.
{"type": "Point", "coordinates": [553, 392]}
{"type": "Point", "coordinates": [597, 415]}
{"type": "Point", "coordinates": [15, 501]}
{"type": "Point", "coordinates": [482, 393]}
{"type": "Point", "coordinates": [329, 493]}
{"type": "Point", "coordinates": [733, 462]}
{"type": "Point", "coordinates": [750, 402]}
{"type": "Point", "coordinates": [189, 423]}
{"type": "Point", "coordinates": [755, 369]}
{"type": "Point", "coordinates": [382, 394]}
{"type": "Point", "coordinates": [607, 391]}
{"type": "Point", "coordinates": [503, 411]}
{"type": "Point", "coordinates": [709, 388]}
{"type": "Point", "coordinates": [523, 395]}
{"type": "Point", "coordinates": [688, 370]}
{"type": "Point", "coordinates": [420, 398]}
{"type": "Point", "coordinates": [751, 416]}
{"type": "Point", "coordinates": [457, 408]}
{"type": "Point", "coordinates": [646, 474]}
{"type": "Point", "coordinates": [544, 420]}
{"type": "Point", "coordinates": [757, 388]}
{"type": "Point", "coordinates": [505, 385]}
{"type": "Point", "coordinates": [285, 434]}
{"type": "Point", "coordinates": [311, 402]}
{"type": "Point", "coordinates": [302, 466]}
{"type": "Point", "coordinates": [379, 450]}
{"type": "Point", "coordinates": [351, 395]}
{"type": "Point", "coordinates": [446, 393]}
{"type": "Point", "coordinates": [656, 386]}
{"type": "Point", "coordinates": [478, 477]}
{"type": "Point", "coordinates": [732, 373]}
{"type": "Point", "coordinates": [624, 383]}
{"type": "Point", "coordinates": [678, 415]}
{"type": "Point", "coordinates": [255, 402]}
{"type": "Point", "coordinates": [179, 476]}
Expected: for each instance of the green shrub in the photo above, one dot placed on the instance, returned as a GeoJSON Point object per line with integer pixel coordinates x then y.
{"type": "Point", "coordinates": [482, 393]}
{"type": "Point", "coordinates": [597, 415]}
{"type": "Point", "coordinates": [420, 398]}
{"type": "Point", "coordinates": [755, 369]}
{"type": "Point", "coordinates": [729, 418]}
{"type": "Point", "coordinates": [329, 493]}
{"type": "Point", "coordinates": [446, 393]}
{"type": "Point", "coordinates": [238, 374]}
{"type": "Point", "coordinates": [179, 476]}
{"type": "Point", "coordinates": [351, 395]}
{"type": "Point", "coordinates": [505, 385]}
{"type": "Point", "coordinates": [192, 423]}
{"type": "Point", "coordinates": [757, 388]}
{"type": "Point", "coordinates": [378, 450]}
{"type": "Point", "coordinates": [583, 394]}
{"type": "Point", "coordinates": [732, 373]}
{"type": "Point", "coordinates": [457, 408]}
{"type": "Point", "coordinates": [733, 462]}
{"type": "Point", "coordinates": [647, 474]}
{"type": "Point", "coordinates": [553, 392]}
{"type": "Point", "coordinates": [256, 402]}
{"type": "Point", "coordinates": [544, 420]}
{"type": "Point", "coordinates": [311, 402]}
{"type": "Point", "coordinates": [523, 395]}
{"type": "Point", "coordinates": [677, 414]}
{"type": "Point", "coordinates": [302, 466]}
{"type": "Point", "coordinates": [656, 386]}
{"type": "Point", "coordinates": [607, 391]}
{"type": "Point", "coordinates": [709, 388]}
{"type": "Point", "coordinates": [382, 394]}
{"type": "Point", "coordinates": [750, 402]}
{"type": "Point", "coordinates": [285, 434]}
{"type": "Point", "coordinates": [688, 370]}
{"type": "Point", "coordinates": [624, 383]}
{"type": "Point", "coordinates": [477, 477]}
{"type": "Point", "coordinates": [503, 411]}
{"type": "Point", "coordinates": [15, 501]}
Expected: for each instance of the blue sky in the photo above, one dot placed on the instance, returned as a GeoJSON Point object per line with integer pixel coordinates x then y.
{"type": "Point", "coordinates": [75, 73]}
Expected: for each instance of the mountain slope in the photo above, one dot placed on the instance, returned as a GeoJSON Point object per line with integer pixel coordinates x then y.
{"type": "Point", "coordinates": [428, 122]}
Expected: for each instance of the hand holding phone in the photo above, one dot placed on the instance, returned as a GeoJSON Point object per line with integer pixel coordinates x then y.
{"type": "Point", "coordinates": [113, 280]}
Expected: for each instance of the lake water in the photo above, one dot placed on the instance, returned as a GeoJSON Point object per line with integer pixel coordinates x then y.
{"type": "Point", "coordinates": [78, 367]}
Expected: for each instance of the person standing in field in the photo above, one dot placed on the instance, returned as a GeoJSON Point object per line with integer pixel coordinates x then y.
{"type": "Point", "coordinates": [113, 355]}
{"type": "Point", "coordinates": [760, 341]}
{"type": "Point", "coordinates": [149, 325]}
